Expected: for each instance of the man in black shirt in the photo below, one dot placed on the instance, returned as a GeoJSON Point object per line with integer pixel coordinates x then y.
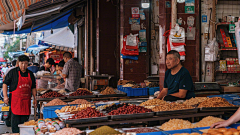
{"type": "Point", "coordinates": [22, 86]}
{"type": "Point", "coordinates": [178, 84]}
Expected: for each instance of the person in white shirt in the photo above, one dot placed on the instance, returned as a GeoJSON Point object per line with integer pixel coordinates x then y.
{"type": "Point", "coordinates": [14, 65]}
{"type": "Point", "coordinates": [4, 69]}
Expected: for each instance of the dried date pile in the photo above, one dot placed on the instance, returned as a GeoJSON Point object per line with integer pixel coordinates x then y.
{"type": "Point", "coordinates": [51, 94]}
{"type": "Point", "coordinates": [87, 113]}
{"type": "Point", "coordinates": [80, 93]}
{"type": "Point", "coordinates": [114, 107]}
{"type": "Point", "coordinates": [132, 109]}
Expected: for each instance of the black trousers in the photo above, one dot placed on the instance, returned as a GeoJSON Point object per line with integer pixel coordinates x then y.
{"type": "Point", "coordinates": [17, 119]}
{"type": "Point", "coordinates": [172, 98]}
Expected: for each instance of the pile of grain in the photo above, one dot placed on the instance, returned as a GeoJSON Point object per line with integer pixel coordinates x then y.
{"type": "Point", "coordinates": [56, 101]}
{"type": "Point", "coordinates": [176, 124]}
{"type": "Point", "coordinates": [104, 130]}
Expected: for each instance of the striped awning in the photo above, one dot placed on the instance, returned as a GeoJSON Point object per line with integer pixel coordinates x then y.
{"type": "Point", "coordinates": [11, 10]}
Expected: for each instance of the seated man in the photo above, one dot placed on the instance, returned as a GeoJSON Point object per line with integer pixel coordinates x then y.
{"type": "Point", "coordinates": [178, 84]}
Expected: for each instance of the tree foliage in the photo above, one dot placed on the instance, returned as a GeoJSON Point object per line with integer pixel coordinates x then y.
{"type": "Point", "coordinates": [11, 48]}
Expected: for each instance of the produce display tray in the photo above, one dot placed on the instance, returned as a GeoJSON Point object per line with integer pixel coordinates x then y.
{"type": "Point", "coordinates": [112, 95]}
{"type": "Point", "coordinates": [132, 116]}
{"type": "Point", "coordinates": [86, 120]}
{"type": "Point", "coordinates": [216, 109]}
{"type": "Point", "coordinates": [49, 99]}
{"type": "Point", "coordinates": [126, 129]}
{"type": "Point", "coordinates": [195, 110]}
{"type": "Point", "coordinates": [81, 97]}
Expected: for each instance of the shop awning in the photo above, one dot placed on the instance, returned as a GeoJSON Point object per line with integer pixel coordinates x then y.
{"type": "Point", "coordinates": [62, 40]}
{"type": "Point", "coordinates": [35, 49]}
{"type": "Point", "coordinates": [11, 10]}
{"type": "Point", "coordinates": [58, 21]}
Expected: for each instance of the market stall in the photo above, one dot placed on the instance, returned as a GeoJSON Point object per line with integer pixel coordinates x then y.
{"type": "Point", "coordinates": [82, 113]}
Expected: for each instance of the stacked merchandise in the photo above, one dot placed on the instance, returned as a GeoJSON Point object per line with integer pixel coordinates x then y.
{"type": "Point", "coordinates": [230, 64]}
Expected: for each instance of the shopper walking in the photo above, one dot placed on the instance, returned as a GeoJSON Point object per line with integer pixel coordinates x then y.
{"type": "Point", "coordinates": [21, 84]}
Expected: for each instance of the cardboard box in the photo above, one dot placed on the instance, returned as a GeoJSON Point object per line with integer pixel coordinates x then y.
{"type": "Point", "coordinates": [231, 89]}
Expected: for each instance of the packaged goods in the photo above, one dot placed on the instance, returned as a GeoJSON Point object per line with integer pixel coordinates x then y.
{"type": "Point", "coordinates": [215, 102]}
{"type": "Point", "coordinates": [56, 101]}
{"type": "Point", "coordinates": [80, 101]}
{"type": "Point", "coordinates": [68, 131]}
{"type": "Point", "coordinates": [108, 91]}
{"type": "Point", "coordinates": [131, 109]}
{"type": "Point", "coordinates": [104, 130]}
{"type": "Point", "coordinates": [176, 124]}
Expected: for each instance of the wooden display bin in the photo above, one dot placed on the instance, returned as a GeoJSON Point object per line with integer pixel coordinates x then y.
{"type": "Point", "coordinates": [231, 89]}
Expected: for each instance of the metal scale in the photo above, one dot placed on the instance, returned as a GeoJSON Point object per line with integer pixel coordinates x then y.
{"type": "Point", "coordinates": [207, 88]}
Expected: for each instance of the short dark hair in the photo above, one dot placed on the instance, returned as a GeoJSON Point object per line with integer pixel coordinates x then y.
{"type": "Point", "coordinates": [67, 55]}
{"type": "Point", "coordinates": [175, 53]}
{"type": "Point", "coordinates": [61, 63]}
{"type": "Point", "coordinates": [50, 61]}
{"type": "Point", "coordinates": [76, 59]}
{"type": "Point", "coordinates": [14, 62]}
{"type": "Point", "coordinates": [35, 64]}
{"type": "Point", "coordinates": [23, 58]}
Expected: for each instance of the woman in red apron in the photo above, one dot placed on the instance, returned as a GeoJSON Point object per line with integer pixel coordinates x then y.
{"type": "Point", "coordinates": [21, 84]}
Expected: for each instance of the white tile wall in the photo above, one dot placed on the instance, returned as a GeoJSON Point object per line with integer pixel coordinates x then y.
{"type": "Point", "coordinates": [225, 8]}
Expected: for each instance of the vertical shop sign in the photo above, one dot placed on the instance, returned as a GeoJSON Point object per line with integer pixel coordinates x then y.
{"type": "Point", "coordinates": [135, 12]}
{"type": "Point", "coordinates": [190, 6]}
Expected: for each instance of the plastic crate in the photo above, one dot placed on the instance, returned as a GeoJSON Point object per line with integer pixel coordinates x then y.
{"type": "Point", "coordinates": [153, 133]}
{"type": "Point", "coordinates": [152, 90]}
{"type": "Point", "coordinates": [49, 111]}
{"type": "Point", "coordinates": [234, 125]}
{"type": "Point", "coordinates": [119, 87]}
{"type": "Point", "coordinates": [225, 96]}
{"type": "Point", "coordinates": [136, 91]}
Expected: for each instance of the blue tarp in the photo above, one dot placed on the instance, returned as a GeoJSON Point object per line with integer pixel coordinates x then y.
{"type": "Point", "coordinates": [58, 23]}
{"type": "Point", "coordinates": [35, 48]}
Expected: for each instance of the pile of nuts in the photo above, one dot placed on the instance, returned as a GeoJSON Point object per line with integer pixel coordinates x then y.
{"type": "Point", "coordinates": [73, 108]}
{"type": "Point", "coordinates": [56, 101]}
{"type": "Point", "coordinates": [132, 109]}
{"type": "Point", "coordinates": [79, 101]}
{"type": "Point", "coordinates": [215, 102]}
{"type": "Point", "coordinates": [171, 107]}
{"type": "Point", "coordinates": [108, 91]}
{"type": "Point", "coordinates": [87, 113]}
{"type": "Point", "coordinates": [80, 93]}
{"type": "Point", "coordinates": [195, 101]}
{"type": "Point", "coordinates": [153, 102]}
{"type": "Point", "coordinates": [141, 130]}
{"type": "Point", "coordinates": [51, 94]}
{"type": "Point", "coordinates": [114, 107]}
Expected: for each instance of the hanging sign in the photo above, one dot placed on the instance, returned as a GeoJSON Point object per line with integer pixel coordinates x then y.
{"type": "Point", "coordinates": [134, 20]}
{"type": "Point", "coordinates": [190, 6]}
{"type": "Point", "coordinates": [180, 1]}
{"type": "Point", "coordinates": [135, 12]}
{"type": "Point", "coordinates": [189, 2]}
{"type": "Point", "coordinates": [135, 27]}
{"type": "Point", "coordinates": [189, 9]}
